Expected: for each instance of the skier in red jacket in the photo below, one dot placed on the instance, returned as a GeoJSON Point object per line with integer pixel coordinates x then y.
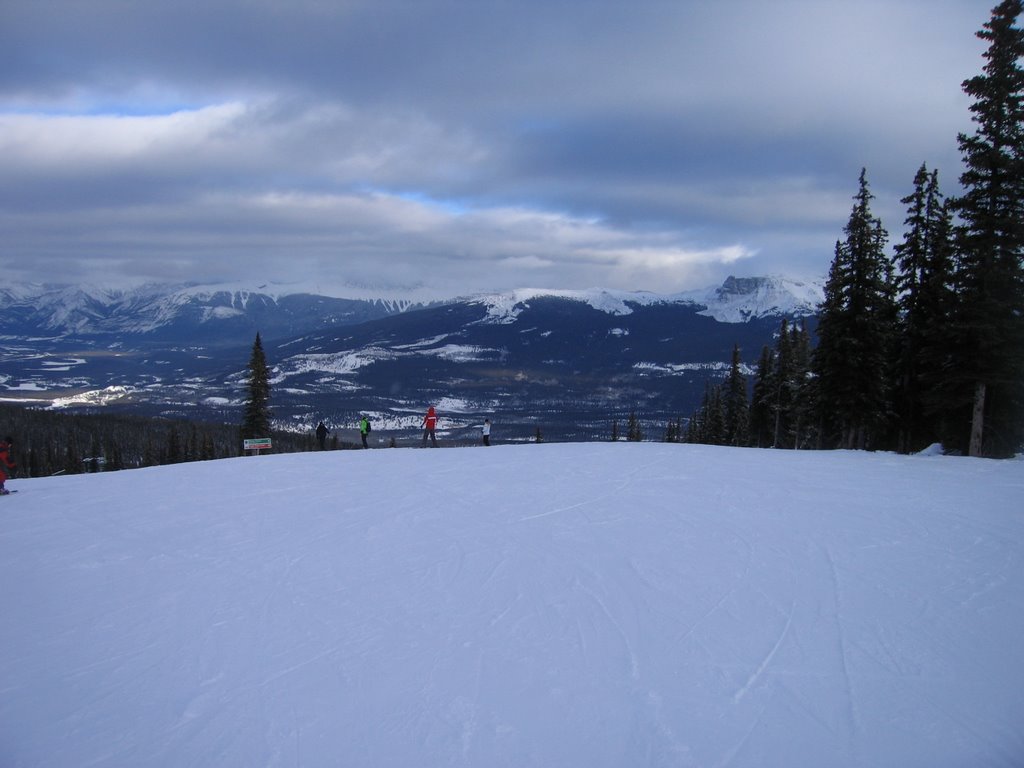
{"type": "Point", "coordinates": [429, 423]}
{"type": "Point", "coordinates": [5, 462]}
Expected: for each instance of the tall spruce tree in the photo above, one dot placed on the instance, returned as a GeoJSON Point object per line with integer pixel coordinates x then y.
{"type": "Point", "coordinates": [782, 387]}
{"type": "Point", "coordinates": [737, 416]}
{"type": "Point", "coordinates": [988, 346]}
{"type": "Point", "coordinates": [782, 408]}
{"type": "Point", "coordinates": [924, 293]}
{"type": "Point", "coordinates": [711, 429]}
{"type": "Point", "coordinates": [855, 332]}
{"type": "Point", "coordinates": [936, 308]}
{"type": "Point", "coordinates": [256, 415]}
{"type": "Point", "coordinates": [761, 421]}
{"type": "Point", "coordinates": [803, 400]}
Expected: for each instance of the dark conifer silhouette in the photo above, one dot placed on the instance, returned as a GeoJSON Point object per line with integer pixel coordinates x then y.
{"type": "Point", "coordinates": [987, 372]}
{"type": "Point", "coordinates": [256, 415]}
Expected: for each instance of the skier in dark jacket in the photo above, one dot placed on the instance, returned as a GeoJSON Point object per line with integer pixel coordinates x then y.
{"type": "Point", "coordinates": [6, 463]}
{"type": "Point", "coordinates": [321, 434]}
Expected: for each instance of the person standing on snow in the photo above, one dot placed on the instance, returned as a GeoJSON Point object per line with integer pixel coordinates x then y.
{"type": "Point", "coordinates": [429, 424]}
{"type": "Point", "coordinates": [321, 434]}
{"type": "Point", "coordinates": [6, 463]}
{"type": "Point", "coordinates": [486, 431]}
{"type": "Point", "coordinates": [364, 429]}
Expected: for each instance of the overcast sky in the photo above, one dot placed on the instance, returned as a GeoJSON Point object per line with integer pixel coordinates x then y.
{"type": "Point", "coordinates": [455, 146]}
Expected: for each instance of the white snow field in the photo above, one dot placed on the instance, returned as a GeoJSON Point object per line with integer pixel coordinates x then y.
{"type": "Point", "coordinates": [613, 604]}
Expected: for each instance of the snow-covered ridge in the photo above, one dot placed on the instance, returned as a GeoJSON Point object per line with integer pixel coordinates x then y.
{"type": "Point", "coordinates": [90, 309]}
{"type": "Point", "coordinates": [737, 300]}
{"type": "Point", "coordinates": [506, 307]}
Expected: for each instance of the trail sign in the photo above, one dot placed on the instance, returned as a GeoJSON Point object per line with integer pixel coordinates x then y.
{"type": "Point", "coordinates": [256, 444]}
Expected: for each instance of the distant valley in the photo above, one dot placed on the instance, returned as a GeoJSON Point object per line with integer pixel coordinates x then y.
{"type": "Point", "coordinates": [566, 363]}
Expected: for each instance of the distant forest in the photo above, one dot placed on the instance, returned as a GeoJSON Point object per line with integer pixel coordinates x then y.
{"type": "Point", "coordinates": [53, 442]}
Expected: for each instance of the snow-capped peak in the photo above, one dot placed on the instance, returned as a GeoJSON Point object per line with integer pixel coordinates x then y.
{"type": "Point", "coordinates": [740, 299]}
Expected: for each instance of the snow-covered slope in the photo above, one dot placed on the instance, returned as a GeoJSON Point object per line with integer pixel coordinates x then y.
{"type": "Point", "coordinates": [545, 605]}
{"type": "Point", "coordinates": [506, 307]}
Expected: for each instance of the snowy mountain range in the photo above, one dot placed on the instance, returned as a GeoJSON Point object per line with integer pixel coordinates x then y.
{"type": "Point", "coordinates": [565, 361]}
{"type": "Point", "coordinates": [738, 300]}
{"type": "Point", "coordinates": [160, 310]}
{"type": "Point", "coordinates": [218, 314]}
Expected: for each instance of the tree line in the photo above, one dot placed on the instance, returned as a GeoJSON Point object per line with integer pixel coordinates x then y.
{"type": "Point", "coordinates": [54, 442]}
{"type": "Point", "coordinates": [922, 347]}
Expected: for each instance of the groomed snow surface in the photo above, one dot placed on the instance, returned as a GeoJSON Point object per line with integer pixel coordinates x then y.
{"type": "Point", "coordinates": [538, 605]}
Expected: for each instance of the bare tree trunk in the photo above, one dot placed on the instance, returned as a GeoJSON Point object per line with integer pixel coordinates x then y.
{"type": "Point", "coordinates": [977, 420]}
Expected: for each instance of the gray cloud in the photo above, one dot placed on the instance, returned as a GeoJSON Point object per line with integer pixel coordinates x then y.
{"type": "Point", "coordinates": [455, 146]}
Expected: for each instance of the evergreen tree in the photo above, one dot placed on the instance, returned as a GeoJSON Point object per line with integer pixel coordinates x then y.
{"type": "Point", "coordinates": [693, 428]}
{"type": "Point", "coordinates": [736, 406]}
{"type": "Point", "coordinates": [72, 458]}
{"type": "Point", "coordinates": [855, 332]}
{"type": "Point", "coordinates": [173, 453]}
{"type": "Point", "coordinates": [35, 465]}
{"type": "Point", "coordinates": [935, 307]}
{"type": "Point", "coordinates": [783, 393]}
{"type": "Point", "coordinates": [95, 454]}
{"type": "Point", "coordinates": [112, 451]}
{"type": "Point", "coordinates": [803, 396]}
{"type": "Point", "coordinates": [987, 372]}
{"type": "Point", "coordinates": [208, 451]}
{"type": "Point", "coordinates": [781, 383]}
{"type": "Point", "coordinates": [192, 444]}
{"type": "Point", "coordinates": [633, 432]}
{"type": "Point", "coordinates": [149, 454]}
{"type": "Point", "coordinates": [760, 427]}
{"type": "Point", "coordinates": [923, 285]}
{"type": "Point", "coordinates": [674, 431]}
{"type": "Point", "coordinates": [711, 419]}
{"type": "Point", "coordinates": [256, 414]}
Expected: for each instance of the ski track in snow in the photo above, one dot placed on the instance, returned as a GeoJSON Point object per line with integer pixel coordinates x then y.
{"type": "Point", "coordinates": [756, 674]}
{"type": "Point", "coordinates": [853, 717]}
{"type": "Point", "coordinates": [596, 604]}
